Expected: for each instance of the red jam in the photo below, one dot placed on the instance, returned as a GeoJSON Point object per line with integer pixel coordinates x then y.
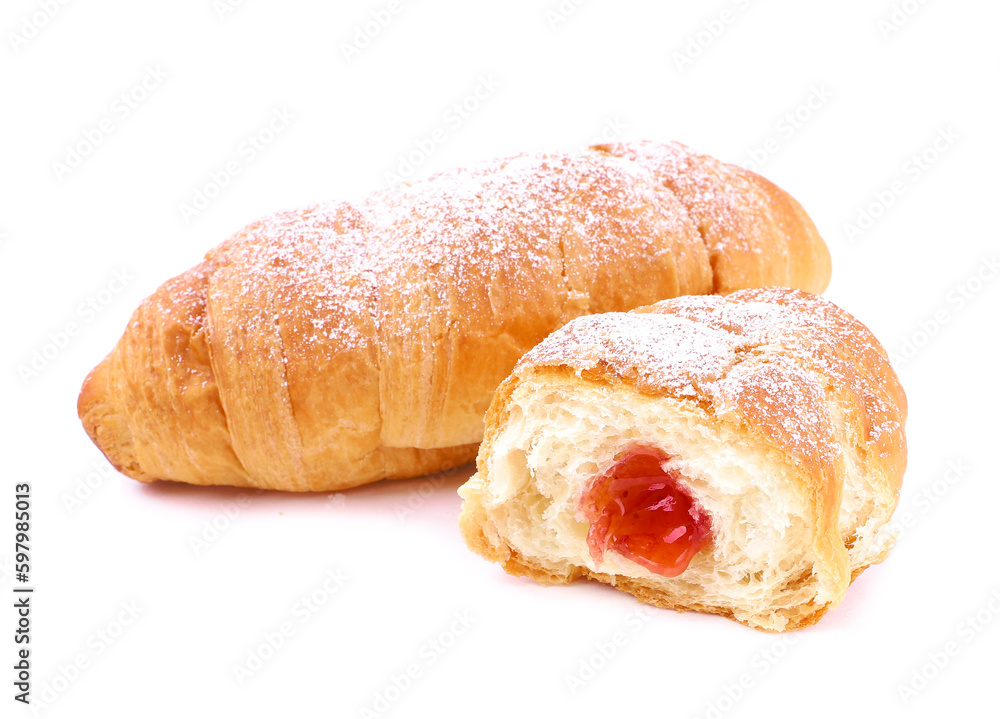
{"type": "Point", "coordinates": [643, 512]}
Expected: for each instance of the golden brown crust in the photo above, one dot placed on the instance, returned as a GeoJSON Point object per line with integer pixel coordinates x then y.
{"type": "Point", "coordinates": [346, 342]}
{"type": "Point", "coordinates": [769, 363]}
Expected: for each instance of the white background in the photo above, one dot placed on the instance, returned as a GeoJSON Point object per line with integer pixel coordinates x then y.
{"type": "Point", "coordinates": [880, 95]}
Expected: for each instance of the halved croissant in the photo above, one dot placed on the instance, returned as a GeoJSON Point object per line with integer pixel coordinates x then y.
{"type": "Point", "coordinates": [347, 342]}
{"type": "Point", "coordinates": [736, 455]}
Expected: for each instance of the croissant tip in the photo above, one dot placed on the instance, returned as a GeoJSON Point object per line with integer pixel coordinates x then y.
{"type": "Point", "coordinates": [107, 429]}
{"type": "Point", "coordinates": [90, 392]}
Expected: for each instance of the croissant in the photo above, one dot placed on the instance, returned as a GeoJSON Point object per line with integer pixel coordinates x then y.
{"type": "Point", "coordinates": [331, 346]}
{"type": "Point", "coordinates": [735, 455]}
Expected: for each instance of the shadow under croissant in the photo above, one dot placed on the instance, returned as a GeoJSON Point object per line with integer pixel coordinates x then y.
{"type": "Point", "coordinates": [408, 497]}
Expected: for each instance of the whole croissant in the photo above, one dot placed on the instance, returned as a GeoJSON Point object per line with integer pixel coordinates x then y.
{"type": "Point", "coordinates": [347, 342]}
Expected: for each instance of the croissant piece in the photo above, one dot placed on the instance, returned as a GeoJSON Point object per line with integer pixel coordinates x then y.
{"type": "Point", "coordinates": [737, 455]}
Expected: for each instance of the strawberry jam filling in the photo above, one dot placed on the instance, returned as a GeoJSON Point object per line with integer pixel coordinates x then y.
{"type": "Point", "coordinates": [643, 512]}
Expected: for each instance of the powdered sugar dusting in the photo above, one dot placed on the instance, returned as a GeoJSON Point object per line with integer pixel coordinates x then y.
{"type": "Point", "coordinates": [661, 352]}
{"type": "Point", "coordinates": [750, 243]}
{"type": "Point", "coordinates": [708, 190]}
{"type": "Point", "coordinates": [775, 356]}
{"type": "Point", "coordinates": [455, 234]}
